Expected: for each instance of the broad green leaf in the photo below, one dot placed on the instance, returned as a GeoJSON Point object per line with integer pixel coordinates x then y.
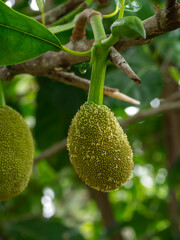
{"type": "Point", "coordinates": [133, 6]}
{"type": "Point", "coordinates": [22, 38]}
{"type": "Point", "coordinates": [128, 28]}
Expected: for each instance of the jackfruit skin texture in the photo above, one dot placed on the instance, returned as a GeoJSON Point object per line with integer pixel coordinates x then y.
{"type": "Point", "coordinates": [16, 153]}
{"type": "Point", "coordinates": [99, 149]}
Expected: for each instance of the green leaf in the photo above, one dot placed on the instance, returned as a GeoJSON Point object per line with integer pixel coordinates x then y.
{"type": "Point", "coordinates": [128, 28]}
{"type": "Point", "coordinates": [133, 6]}
{"type": "Point", "coordinates": [23, 38]}
{"type": "Point", "coordinates": [174, 73]}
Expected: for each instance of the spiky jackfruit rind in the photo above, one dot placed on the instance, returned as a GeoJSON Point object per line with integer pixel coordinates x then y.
{"type": "Point", "coordinates": [99, 149]}
{"type": "Point", "coordinates": [16, 153]}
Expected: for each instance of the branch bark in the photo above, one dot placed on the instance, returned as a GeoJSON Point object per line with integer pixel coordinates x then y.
{"type": "Point", "coordinates": [79, 31]}
{"type": "Point", "coordinates": [165, 107]}
{"type": "Point", "coordinates": [71, 79]}
{"type": "Point", "coordinates": [121, 63]}
{"type": "Point", "coordinates": [58, 147]}
{"type": "Point", "coordinates": [58, 75]}
{"type": "Point", "coordinates": [58, 12]}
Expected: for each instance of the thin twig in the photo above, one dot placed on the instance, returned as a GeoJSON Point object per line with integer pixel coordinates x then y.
{"type": "Point", "coordinates": [8, 72]}
{"type": "Point", "coordinates": [170, 3]}
{"type": "Point", "coordinates": [152, 111]}
{"type": "Point", "coordinates": [174, 96]}
{"type": "Point", "coordinates": [61, 10]}
{"type": "Point", "coordinates": [58, 147]}
{"type": "Point", "coordinates": [71, 79]}
{"type": "Point", "coordinates": [114, 93]}
{"type": "Point", "coordinates": [121, 63]}
{"type": "Point", "coordinates": [79, 31]}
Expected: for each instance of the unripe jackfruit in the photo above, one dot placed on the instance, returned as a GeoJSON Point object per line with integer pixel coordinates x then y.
{"type": "Point", "coordinates": [16, 153]}
{"type": "Point", "coordinates": [99, 149]}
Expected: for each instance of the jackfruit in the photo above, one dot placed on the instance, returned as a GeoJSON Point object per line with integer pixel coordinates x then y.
{"type": "Point", "coordinates": [99, 149]}
{"type": "Point", "coordinates": [16, 153]}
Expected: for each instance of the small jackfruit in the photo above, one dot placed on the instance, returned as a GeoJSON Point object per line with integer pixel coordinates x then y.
{"type": "Point", "coordinates": [99, 149]}
{"type": "Point", "coordinates": [16, 153]}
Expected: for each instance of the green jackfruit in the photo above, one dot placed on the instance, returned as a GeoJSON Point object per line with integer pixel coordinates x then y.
{"type": "Point", "coordinates": [99, 149]}
{"type": "Point", "coordinates": [16, 153]}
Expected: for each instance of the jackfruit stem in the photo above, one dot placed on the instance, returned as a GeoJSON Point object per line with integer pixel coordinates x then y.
{"type": "Point", "coordinates": [99, 58]}
{"type": "Point", "coordinates": [97, 27]}
{"type": "Point", "coordinates": [2, 99]}
{"type": "Point", "coordinates": [98, 73]}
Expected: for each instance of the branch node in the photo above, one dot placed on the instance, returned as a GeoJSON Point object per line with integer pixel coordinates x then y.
{"type": "Point", "coordinates": [79, 31]}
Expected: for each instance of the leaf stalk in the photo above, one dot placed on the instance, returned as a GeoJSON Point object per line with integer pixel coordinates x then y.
{"type": "Point", "coordinates": [99, 58]}
{"type": "Point", "coordinates": [121, 13]}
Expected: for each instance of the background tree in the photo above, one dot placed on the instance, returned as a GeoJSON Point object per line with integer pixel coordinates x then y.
{"type": "Point", "coordinates": [56, 204]}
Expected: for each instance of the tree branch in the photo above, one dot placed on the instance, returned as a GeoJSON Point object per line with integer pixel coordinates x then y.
{"type": "Point", "coordinates": [71, 79]}
{"type": "Point", "coordinates": [163, 21]}
{"type": "Point", "coordinates": [121, 63]}
{"type": "Point", "coordinates": [58, 147]}
{"type": "Point", "coordinates": [39, 69]}
{"type": "Point", "coordinates": [79, 31]}
{"type": "Point", "coordinates": [61, 10]}
{"type": "Point", "coordinates": [152, 111]}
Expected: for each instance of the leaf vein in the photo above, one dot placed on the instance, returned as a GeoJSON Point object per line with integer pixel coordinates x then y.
{"type": "Point", "coordinates": [30, 34]}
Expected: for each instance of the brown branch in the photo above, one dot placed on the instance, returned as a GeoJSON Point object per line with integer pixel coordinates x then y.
{"type": "Point", "coordinates": [79, 31]}
{"type": "Point", "coordinates": [163, 21]}
{"type": "Point", "coordinates": [121, 63]}
{"type": "Point", "coordinates": [61, 10]}
{"type": "Point", "coordinates": [39, 69]}
{"type": "Point", "coordinates": [71, 79]}
{"type": "Point", "coordinates": [174, 96]}
{"type": "Point", "coordinates": [170, 3]}
{"type": "Point", "coordinates": [58, 147]}
{"type": "Point", "coordinates": [48, 62]}
{"type": "Point", "coordinates": [152, 111]}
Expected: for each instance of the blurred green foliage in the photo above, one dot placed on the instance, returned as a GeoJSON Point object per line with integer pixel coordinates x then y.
{"type": "Point", "coordinates": [56, 204]}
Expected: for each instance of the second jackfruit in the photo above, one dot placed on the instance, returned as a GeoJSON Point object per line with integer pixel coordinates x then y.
{"type": "Point", "coordinates": [16, 153]}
